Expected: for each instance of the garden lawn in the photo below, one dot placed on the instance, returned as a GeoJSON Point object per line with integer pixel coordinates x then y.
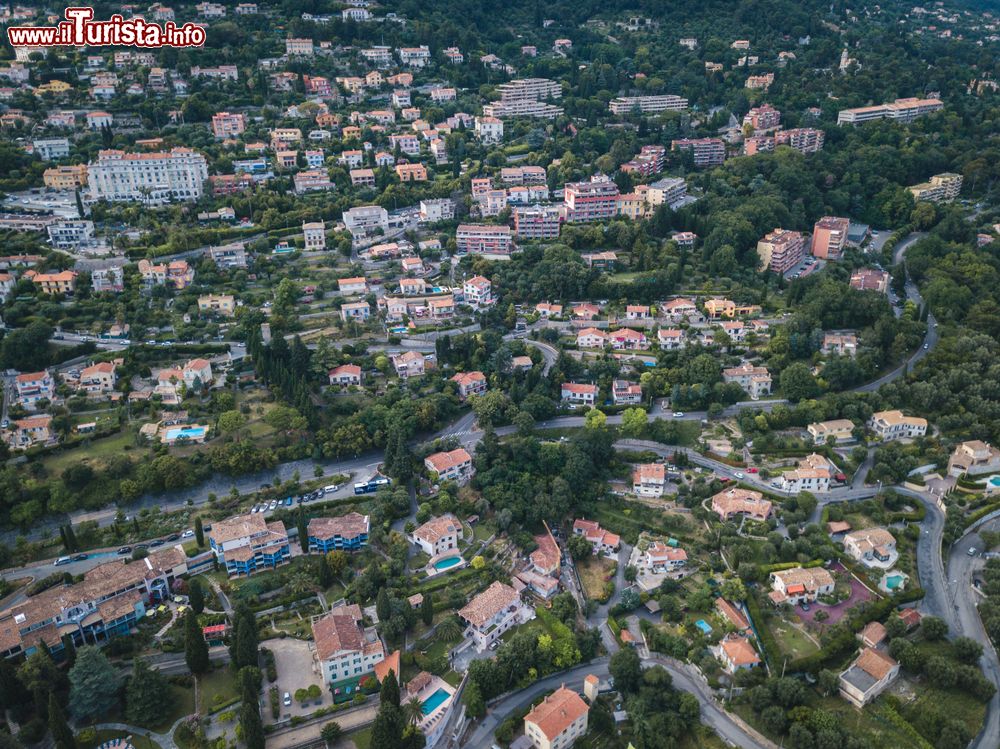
{"type": "Point", "coordinates": [792, 641]}
{"type": "Point", "coordinates": [215, 689]}
{"type": "Point", "coordinates": [95, 453]}
{"type": "Point", "coordinates": [362, 739]}
{"type": "Point", "coordinates": [592, 573]}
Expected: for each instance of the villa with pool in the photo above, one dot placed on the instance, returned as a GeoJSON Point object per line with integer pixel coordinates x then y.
{"type": "Point", "coordinates": [438, 538]}
{"type": "Point", "coordinates": [435, 695]}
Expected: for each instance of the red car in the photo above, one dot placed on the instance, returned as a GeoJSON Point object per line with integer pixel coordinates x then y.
{"type": "Point", "coordinates": [751, 470]}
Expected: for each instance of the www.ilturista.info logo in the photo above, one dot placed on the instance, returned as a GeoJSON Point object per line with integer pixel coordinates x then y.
{"type": "Point", "coordinates": [79, 29]}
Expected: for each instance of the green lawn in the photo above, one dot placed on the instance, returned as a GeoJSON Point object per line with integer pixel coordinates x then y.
{"type": "Point", "coordinates": [791, 640]}
{"type": "Point", "coordinates": [215, 689]}
{"type": "Point", "coordinates": [139, 742]}
{"type": "Point", "coordinates": [362, 739]}
{"type": "Point", "coordinates": [96, 451]}
{"type": "Point", "coordinates": [481, 531]}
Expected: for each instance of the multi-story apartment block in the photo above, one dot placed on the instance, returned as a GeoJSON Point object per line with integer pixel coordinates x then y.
{"type": "Point", "coordinates": [312, 180]}
{"type": "Point", "coordinates": [901, 110]}
{"type": "Point", "coordinates": [893, 425]}
{"type": "Point", "coordinates": [246, 544]}
{"type": "Point", "coordinates": [150, 178]}
{"type": "Point", "coordinates": [706, 151]}
{"type": "Point", "coordinates": [70, 234]}
{"type": "Point", "coordinates": [538, 221]}
{"type": "Point", "coordinates": [491, 613]}
{"type": "Point", "coordinates": [829, 237]}
{"type": "Point", "coordinates": [379, 55]}
{"type": "Point", "coordinates": [593, 200]}
{"type": "Point", "coordinates": [522, 108]}
{"type": "Point", "coordinates": [478, 292]}
{"type": "Point", "coordinates": [762, 118]}
{"type": "Point", "coordinates": [411, 172]}
{"type": "Point", "coordinates": [226, 125]}
{"type": "Point", "coordinates": [557, 721]}
{"type": "Point", "coordinates": [489, 129]}
{"type": "Point", "coordinates": [756, 381]}
{"type": "Point", "coordinates": [434, 210]}
{"type": "Point", "coordinates": [50, 149]}
{"type": "Point", "coordinates": [941, 188]}
{"type": "Point", "coordinates": [756, 144]}
{"type": "Point", "coordinates": [63, 282]}
{"type": "Point", "coordinates": [667, 102]}
{"type": "Point", "coordinates": [493, 203]}
{"type": "Point", "coordinates": [534, 89]}
{"type": "Point", "coordinates": [761, 82]}
{"type": "Point", "coordinates": [299, 47]}
{"type": "Point", "coordinates": [344, 648]}
{"type": "Point", "coordinates": [221, 73]}
{"type": "Point", "coordinates": [523, 175]}
{"type": "Point", "coordinates": [802, 139]}
{"type": "Point", "coordinates": [483, 239]}
{"type": "Point", "coordinates": [219, 304]}
{"type": "Point", "coordinates": [666, 191]}
{"type": "Point", "coordinates": [98, 379]}
{"type": "Point", "coordinates": [314, 235]}
{"type": "Point", "coordinates": [781, 250]}
{"type": "Point", "coordinates": [342, 533]}
{"type": "Point", "coordinates": [454, 465]}
{"type": "Point", "coordinates": [649, 479]}
{"type": "Point", "coordinates": [415, 57]}
{"type": "Point", "coordinates": [363, 178]}
{"type": "Point", "coordinates": [107, 280]}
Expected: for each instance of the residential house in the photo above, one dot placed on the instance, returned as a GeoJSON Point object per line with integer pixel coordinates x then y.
{"type": "Point", "coordinates": [478, 292]}
{"type": "Point", "coordinates": [409, 364]}
{"type": "Point", "coordinates": [493, 612]}
{"type": "Point", "coordinates": [470, 383]}
{"type": "Point", "coordinates": [974, 458]}
{"type": "Point", "coordinates": [345, 374]}
{"type": "Point", "coordinates": [893, 425]}
{"type": "Point", "coordinates": [356, 311]}
{"type": "Point", "coordinates": [872, 547]}
{"type": "Point", "coordinates": [731, 502]}
{"type": "Point", "coordinates": [454, 465]}
{"type": "Point", "coordinates": [813, 474]}
{"type": "Point", "coordinates": [624, 392]}
{"type": "Point", "coordinates": [344, 648]}
{"type": "Point", "coordinates": [756, 381]}
{"type": "Point", "coordinates": [867, 677]}
{"type": "Point", "coordinates": [591, 338]}
{"type": "Point", "coordinates": [33, 387]}
{"type": "Point", "coordinates": [579, 394]}
{"type": "Point", "coordinates": [670, 339]}
{"type": "Point", "coordinates": [34, 430]}
{"type": "Point", "coordinates": [246, 544]}
{"type": "Point", "coordinates": [842, 344]}
{"type": "Point", "coordinates": [649, 479]}
{"type": "Point", "coordinates": [840, 430]}
{"type": "Point", "coordinates": [604, 542]}
{"type": "Point", "coordinates": [557, 721]}
{"type": "Point", "coordinates": [732, 614]}
{"type": "Point", "coordinates": [659, 558]}
{"type": "Point", "coordinates": [737, 654]}
{"type": "Point", "coordinates": [342, 533]}
{"type": "Point", "coordinates": [438, 535]}
{"type": "Point", "coordinates": [98, 379]}
{"type": "Point", "coordinates": [800, 585]}
{"type": "Point", "coordinates": [219, 304]}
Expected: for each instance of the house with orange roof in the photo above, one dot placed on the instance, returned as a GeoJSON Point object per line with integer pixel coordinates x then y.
{"type": "Point", "coordinates": [438, 535]}
{"type": "Point", "coordinates": [33, 387]}
{"type": "Point", "coordinates": [345, 649]}
{"type": "Point", "coordinates": [557, 721]}
{"type": "Point", "coordinates": [658, 558]}
{"type": "Point", "coordinates": [453, 465]}
{"type": "Point", "coordinates": [649, 479]}
{"type": "Point", "coordinates": [604, 542]}
{"type": "Point", "coordinates": [736, 501]}
{"type": "Point", "coordinates": [800, 584]}
{"type": "Point", "coordinates": [345, 374]}
{"type": "Point", "coordinates": [34, 430]}
{"type": "Point", "coordinates": [494, 611]}
{"type": "Point", "coordinates": [470, 383]}
{"type": "Point", "coordinates": [867, 677]}
{"type": "Point", "coordinates": [579, 394]}
{"type": "Point", "coordinates": [732, 614]}
{"type": "Point", "coordinates": [736, 654]}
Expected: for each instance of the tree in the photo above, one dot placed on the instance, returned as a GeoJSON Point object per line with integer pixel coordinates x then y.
{"type": "Point", "coordinates": [337, 560]}
{"type": "Point", "coordinates": [148, 696]}
{"type": "Point", "coordinates": [626, 669]}
{"type": "Point", "coordinates": [93, 684]}
{"type": "Point", "coordinates": [331, 732]}
{"type": "Point", "coordinates": [734, 590]}
{"type": "Point", "coordinates": [933, 628]}
{"type": "Point", "coordinates": [387, 730]}
{"type": "Point", "coordinates": [303, 530]}
{"type": "Point", "coordinates": [250, 722]}
{"type": "Point", "coordinates": [595, 419]}
{"type": "Point", "coordinates": [427, 609]}
{"type": "Point", "coordinates": [966, 649]}
{"type": "Point", "coordinates": [383, 605]}
{"type": "Point", "coordinates": [413, 710]}
{"type": "Point", "coordinates": [243, 647]}
{"type": "Point", "coordinates": [475, 705]}
{"type": "Point", "coordinates": [199, 531]}
{"type": "Point", "coordinates": [449, 630]}
{"type": "Point", "coordinates": [231, 421]}
{"type": "Point", "coordinates": [634, 422]}
{"type": "Point", "coordinates": [62, 734]}
{"type": "Point", "coordinates": [798, 383]}
{"type": "Point", "coordinates": [196, 595]}
{"type": "Point", "coordinates": [579, 547]}
{"type": "Point", "coordinates": [325, 574]}
{"type": "Point", "coordinates": [195, 647]}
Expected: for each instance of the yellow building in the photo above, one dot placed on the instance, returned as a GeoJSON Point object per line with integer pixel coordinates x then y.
{"type": "Point", "coordinates": [63, 282]}
{"type": "Point", "coordinates": [53, 87]}
{"type": "Point", "coordinates": [65, 177]}
{"type": "Point", "coordinates": [221, 304]}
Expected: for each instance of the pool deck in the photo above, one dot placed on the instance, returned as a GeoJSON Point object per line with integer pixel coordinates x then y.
{"type": "Point", "coordinates": [428, 724]}
{"type": "Point", "coordinates": [433, 571]}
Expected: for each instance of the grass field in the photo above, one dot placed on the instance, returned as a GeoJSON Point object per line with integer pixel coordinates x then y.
{"type": "Point", "coordinates": [792, 641]}
{"type": "Point", "coordinates": [362, 739]}
{"type": "Point", "coordinates": [592, 573]}
{"type": "Point", "coordinates": [216, 688]}
{"type": "Point", "coordinates": [94, 453]}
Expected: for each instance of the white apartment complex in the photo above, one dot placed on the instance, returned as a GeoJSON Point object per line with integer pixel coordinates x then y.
{"type": "Point", "coordinates": [152, 178]}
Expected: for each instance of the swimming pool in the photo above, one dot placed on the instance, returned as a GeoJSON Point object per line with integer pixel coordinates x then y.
{"type": "Point", "coordinates": [994, 480]}
{"type": "Point", "coordinates": [893, 581]}
{"type": "Point", "coordinates": [433, 702]}
{"type": "Point", "coordinates": [704, 626]}
{"type": "Point", "coordinates": [185, 433]}
{"type": "Point", "coordinates": [446, 563]}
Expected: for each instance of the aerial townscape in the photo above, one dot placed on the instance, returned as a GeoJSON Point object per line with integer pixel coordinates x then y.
{"type": "Point", "coordinates": [382, 374]}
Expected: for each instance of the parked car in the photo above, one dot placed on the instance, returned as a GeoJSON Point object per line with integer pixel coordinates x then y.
{"type": "Point", "coordinates": [61, 561]}
{"type": "Point", "coordinates": [125, 550]}
{"type": "Point", "coordinates": [738, 474]}
{"type": "Point", "coordinates": [804, 606]}
{"type": "Point", "coordinates": [331, 488]}
{"type": "Point", "coordinates": [972, 551]}
{"type": "Point", "coordinates": [752, 470]}
{"type": "Point", "coordinates": [273, 505]}
{"type": "Point", "coordinates": [678, 414]}
{"type": "Point", "coordinates": [81, 557]}
{"type": "Point", "coordinates": [187, 534]}
{"type": "Point", "coordinates": [287, 699]}
{"type": "Point", "coordinates": [157, 542]}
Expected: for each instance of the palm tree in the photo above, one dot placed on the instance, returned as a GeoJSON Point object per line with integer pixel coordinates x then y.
{"type": "Point", "coordinates": [413, 710]}
{"type": "Point", "coordinates": [449, 630]}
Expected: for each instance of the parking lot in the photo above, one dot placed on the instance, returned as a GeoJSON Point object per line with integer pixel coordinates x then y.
{"type": "Point", "coordinates": [293, 660]}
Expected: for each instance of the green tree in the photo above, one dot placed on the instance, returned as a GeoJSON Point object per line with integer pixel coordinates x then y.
{"type": "Point", "coordinates": [427, 609]}
{"type": "Point", "coordinates": [595, 419]}
{"type": "Point", "coordinates": [231, 421]}
{"type": "Point", "coordinates": [413, 710]}
{"type": "Point", "coordinates": [93, 683]}
{"type": "Point", "coordinates": [250, 721]}
{"type": "Point", "coordinates": [933, 628]}
{"type": "Point", "coordinates": [475, 705]}
{"type": "Point", "coordinates": [634, 421]}
{"type": "Point", "coordinates": [325, 574]}
{"type": "Point", "coordinates": [148, 696]}
{"type": "Point", "coordinates": [195, 647]}
{"type": "Point", "coordinates": [196, 596]}
{"type": "Point", "coordinates": [331, 732]}
{"type": "Point", "coordinates": [387, 730]}
{"type": "Point", "coordinates": [383, 605]}
{"type": "Point", "coordinates": [62, 734]}
{"type": "Point", "coordinates": [579, 547]}
{"type": "Point", "coordinates": [626, 669]}
{"type": "Point", "coordinates": [303, 530]}
{"type": "Point", "coordinates": [199, 531]}
{"type": "Point", "coordinates": [798, 383]}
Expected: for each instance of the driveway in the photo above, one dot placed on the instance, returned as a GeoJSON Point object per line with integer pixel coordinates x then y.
{"type": "Point", "coordinates": [837, 612]}
{"type": "Point", "coordinates": [294, 662]}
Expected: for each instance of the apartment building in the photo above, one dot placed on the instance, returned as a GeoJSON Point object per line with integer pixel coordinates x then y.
{"type": "Point", "coordinates": [761, 82]}
{"type": "Point", "coordinates": [762, 118]}
{"type": "Point", "coordinates": [523, 175]}
{"type": "Point", "coordinates": [756, 144]}
{"type": "Point", "coordinates": [151, 178]}
{"type": "Point", "coordinates": [756, 381]}
{"type": "Point", "coordinates": [364, 220]}
{"type": "Point", "coordinates": [736, 501]}
{"type": "Point", "coordinates": [409, 364]}
{"type": "Point", "coordinates": [110, 600]}
{"type": "Point", "coordinates": [312, 180]}
{"type": "Point", "coordinates": [411, 172]}
{"type": "Point", "coordinates": [705, 151]}
{"type": "Point", "coordinates": [434, 210]}
{"type": "Point", "coordinates": [344, 648]}
{"type": "Point", "coordinates": [414, 57]}
{"type": "Point", "coordinates": [50, 149]}
{"type": "Point", "coordinates": [802, 139]}
{"type": "Point", "coordinates": [176, 273]}
{"type": "Point", "coordinates": [666, 191]}
{"type": "Point", "coordinates": [302, 47]}
{"type": "Point", "coordinates": [781, 250]}
{"type": "Point", "coordinates": [602, 541]}
{"type": "Point", "coordinates": [534, 89]}
{"type": "Point", "coordinates": [218, 304]}
{"type": "Point", "coordinates": [229, 256]}
{"type": "Point", "coordinates": [893, 425]}
{"type": "Point", "coordinates": [469, 383]}
{"type": "Point", "coordinates": [342, 533]}
{"type": "Point", "coordinates": [941, 188]}
{"type": "Point", "coordinates": [483, 239]}
{"type": "Point", "coordinates": [454, 465]}
{"type": "Point", "coordinates": [438, 535]}
{"type": "Point", "coordinates": [314, 235]}
{"type": "Point", "coordinates": [593, 200]}
{"type": "Point", "coordinates": [491, 613]}
{"type": "Point", "coordinates": [63, 282]}
{"type": "Point", "coordinates": [557, 721]}
{"type": "Point", "coordinates": [355, 311]}
{"type": "Point", "coordinates": [246, 544]}
{"type": "Point", "coordinates": [478, 292]}
{"type": "Point", "coordinates": [868, 676]}
{"type": "Point", "coordinates": [800, 585]}
{"type": "Point", "coordinates": [649, 479]}
{"type": "Point", "coordinates": [974, 458]}
{"type": "Point", "coordinates": [829, 237]}
{"type": "Point", "coordinates": [489, 129]}
{"type": "Point", "coordinates": [624, 393]}
{"type": "Point", "coordinates": [226, 125]}
{"type": "Point", "coordinates": [70, 234]}
{"type": "Point", "coordinates": [901, 110]}
{"type": "Point", "coordinates": [579, 394]}
{"type": "Point", "coordinates": [647, 104]}
{"type": "Point", "coordinates": [538, 221]}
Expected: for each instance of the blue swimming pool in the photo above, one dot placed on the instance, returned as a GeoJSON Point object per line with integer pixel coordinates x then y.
{"type": "Point", "coordinates": [893, 581]}
{"type": "Point", "coordinates": [446, 563]}
{"type": "Point", "coordinates": [185, 433]}
{"type": "Point", "coordinates": [433, 702]}
{"type": "Point", "coordinates": [704, 626]}
{"type": "Point", "coordinates": [994, 480]}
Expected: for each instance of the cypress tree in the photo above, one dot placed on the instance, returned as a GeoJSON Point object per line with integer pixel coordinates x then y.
{"type": "Point", "coordinates": [74, 545]}
{"type": "Point", "coordinates": [303, 530]}
{"type": "Point", "coordinates": [62, 734]}
{"type": "Point", "coordinates": [195, 647]}
{"type": "Point", "coordinates": [250, 722]}
{"type": "Point", "coordinates": [199, 531]}
{"type": "Point", "coordinates": [325, 573]}
{"type": "Point", "coordinates": [427, 609]}
{"type": "Point", "coordinates": [383, 606]}
{"type": "Point", "coordinates": [196, 596]}
{"type": "Point", "coordinates": [69, 650]}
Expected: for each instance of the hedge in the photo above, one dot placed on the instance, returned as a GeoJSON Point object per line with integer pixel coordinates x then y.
{"type": "Point", "coordinates": [981, 513]}
{"type": "Point", "coordinates": [767, 569]}
{"type": "Point", "coordinates": [767, 642]}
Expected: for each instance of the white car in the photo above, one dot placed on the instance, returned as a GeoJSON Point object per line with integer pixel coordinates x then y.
{"type": "Point", "coordinates": [187, 534]}
{"type": "Point", "coordinates": [739, 474]}
{"type": "Point", "coordinates": [287, 699]}
{"type": "Point", "coordinates": [274, 503]}
{"type": "Point", "coordinates": [678, 414]}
